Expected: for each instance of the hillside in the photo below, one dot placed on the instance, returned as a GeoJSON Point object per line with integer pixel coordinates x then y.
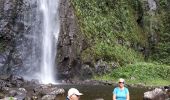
{"type": "Point", "coordinates": [124, 33]}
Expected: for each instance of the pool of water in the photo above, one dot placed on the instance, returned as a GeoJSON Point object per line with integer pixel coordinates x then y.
{"type": "Point", "coordinates": [93, 92]}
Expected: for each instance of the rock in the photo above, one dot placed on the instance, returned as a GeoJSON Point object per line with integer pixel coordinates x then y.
{"type": "Point", "coordinates": [86, 72]}
{"type": "Point", "coordinates": [2, 95]}
{"type": "Point", "coordinates": [17, 83]}
{"type": "Point", "coordinates": [15, 77]}
{"type": "Point", "coordinates": [48, 90]}
{"type": "Point", "coordinates": [5, 89]}
{"type": "Point", "coordinates": [70, 43]}
{"type": "Point", "coordinates": [35, 81]}
{"type": "Point", "coordinates": [4, 77]}
{"type": "Point", "coordinates": [48, 97]}
{"type": "Point", "coordinates": [22, 96]}
{"type": "Point", "coordinates": [3, 83]}
{"type": "Point", "coordinates": [16, 80]}
{"type": "Point", "coordinates": [156, 94]}
{"type": "Point", "coordinates": [22, 90]}
{"type": "Point", "coordinates": [34, 98]}
{"type": "Point", "coordinates": [20, 93]}
{"type": "Point", "coordinates": [9, 98]}
{"type": "Point", "coordinates": [12, 93]}
{"type": "Point", "coordinates": [167, 90]}
{"type": "Point", "coordinates": [101, 67]}
{"type": "Point", "coordinates": [99, 99]}
{"type": "Point", "coordinates": [2, 60]}
{"type": "Point", "coordinates": [57, 91]}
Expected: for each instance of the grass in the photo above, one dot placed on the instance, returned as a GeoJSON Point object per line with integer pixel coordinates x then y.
{"type": "Point", "coordinates": [141, 73]}
{"type": "Point", "coordinates": [104, 23]}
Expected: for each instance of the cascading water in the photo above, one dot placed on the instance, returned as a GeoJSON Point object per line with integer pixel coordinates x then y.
{"type": "Point", "coordinates": [50, 31]}
{"type": "Point", "coordinates": [152, 5]}
{"type": "Point", "coordinates": [153, 20]}
{"type": "Point", "coordinates": [38, 47]}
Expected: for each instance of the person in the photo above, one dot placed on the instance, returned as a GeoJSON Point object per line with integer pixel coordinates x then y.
{"type": "Point", "coordinates": [121, 92]}
{"type": "Point", "coordinates": [73, 94]}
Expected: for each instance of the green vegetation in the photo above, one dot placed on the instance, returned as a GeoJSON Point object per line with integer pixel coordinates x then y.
{"type": "Point", "coordinates": [115, 29]}
{"type": "Point", "coordinates": [111, 29]}
{"type": "Point", "coordinates": [161, 52]}
{"type": "Point", "coordinates": [2, 46]}
{"type": "Point", "coordinates": [146, 73]}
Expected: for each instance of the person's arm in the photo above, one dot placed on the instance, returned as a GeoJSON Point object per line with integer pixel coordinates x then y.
{"type": "Point", "coordinates": [114, 97]}
{"type": "Point", "coordinates": [127, 97]}
{"type": "Point", "coordinates": [114, 94]}
{"type": "Point", "coordinates": [127, 94]}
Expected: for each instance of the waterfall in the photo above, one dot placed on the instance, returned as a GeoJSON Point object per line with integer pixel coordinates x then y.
{"type": "Point", "coordinates": [152, 4]}
{"type": "Point", "coordinates": [38, 49]}
{"type": "Point", "coordinates": [50, 31]}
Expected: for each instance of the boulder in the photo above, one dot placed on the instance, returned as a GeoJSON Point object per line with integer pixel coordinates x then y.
{"type": "Point", "coordinates": [48, 90]}
{"type": "Point", "coordinates": [48, 97]}
{"type": "Point", "coordinates": [102, 67]}
{"type": "Point", "coordinates": [86, 72]}
{"type": "Point", "coordinates": [156, 94]}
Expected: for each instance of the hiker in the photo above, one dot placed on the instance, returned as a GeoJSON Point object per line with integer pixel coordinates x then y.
{"type": "Point", "coordinates": [73, 94]}
{"type": "Point", "coordinates": [121, 92]}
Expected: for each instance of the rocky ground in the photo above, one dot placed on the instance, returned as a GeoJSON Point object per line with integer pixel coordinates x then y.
{"type": "Point", "coordinates": [16, 88]}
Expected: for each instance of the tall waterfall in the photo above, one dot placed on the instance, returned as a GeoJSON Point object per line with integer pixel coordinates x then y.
{"type": "Point", "coordinates": [38, 49]}
{"type": "Point", "coordinates": [50, 31]}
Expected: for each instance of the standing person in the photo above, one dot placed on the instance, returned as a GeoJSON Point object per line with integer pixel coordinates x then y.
{"type": "Point", "coordinates": [121, 92]}
{"type": "Point", "coordinates": [73, 94]}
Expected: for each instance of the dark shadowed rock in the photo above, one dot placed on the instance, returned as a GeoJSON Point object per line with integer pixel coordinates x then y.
{"type": "Point", "coordinates": [34, 98]}
{"type": "Point", "coordinates": [70, 42]}
{"type": "Point", "coordinates": [86, 72]}
{"type": "Point", "coordinates": [3, 83]}
{"type": "Point", "coordinates": [102, 67]}
{"type": "Point", "coordinates": [2, 95]}
{"type": "Point", "coordinates": [2, 60]}
{"type": "Point", "coordinates": [15, 78]}
{"type": "Point", "coordinates": [167, 89]}
{"type": "Point", "coordinates": [35, 81]}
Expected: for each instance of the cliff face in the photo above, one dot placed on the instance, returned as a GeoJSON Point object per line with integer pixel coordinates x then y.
{"type": "Point", "coordinates": [10, 29]}
{"type": "Point", "coordinates": [116, 31]}
{"type": "Point", "coordinates": [70, 42]}
{"type": "Point", "coordinates": [18, 20]}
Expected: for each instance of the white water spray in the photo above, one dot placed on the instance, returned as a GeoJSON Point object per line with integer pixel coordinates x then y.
{"type": "Point", "coordinates": [152, 5]}
{"type": "Point", "coordinates": [50, 32]}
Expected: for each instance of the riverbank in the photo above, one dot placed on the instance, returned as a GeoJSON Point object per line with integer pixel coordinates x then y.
{"type": "Point", "coordinates": [136, 83]}
{"type": "Point", "coordinates": [17, 88]}
{"type": "Point", "coordinates": [141, 73]}
{"type": "Point", "coordinates": [147, 92]}
{"type": "Point", "coordinates": [113, 83]}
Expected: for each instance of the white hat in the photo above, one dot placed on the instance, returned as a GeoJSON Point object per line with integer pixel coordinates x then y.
{"type": "Point", "coordinates": [121, 80]}
{"type": "Point", "coordinates": [73, 91]}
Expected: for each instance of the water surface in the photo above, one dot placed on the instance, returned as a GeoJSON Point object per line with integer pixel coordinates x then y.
{"type": "Point", "coordinates": [93, 92]}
